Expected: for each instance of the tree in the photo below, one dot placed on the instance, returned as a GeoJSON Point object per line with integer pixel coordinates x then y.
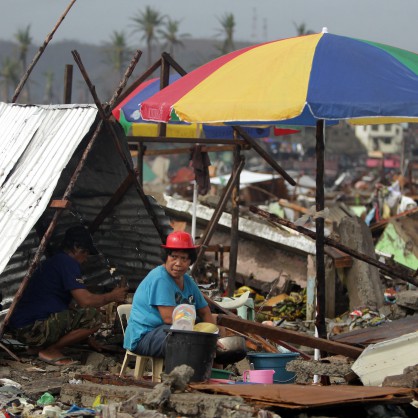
{"type": "Point", "coordinates": [301, 29]}
{"type": "Point", "coordinates": [9, 76]}
{"type": "Point", "coordinates": [227, 22]}
{"type": "Point", "coordinates": [148, 23]}
{"type": "Point", "coordinates": [49, 87]}
{"type": "Point", "coordinates": [24, 40]}
{"type": "Point", "coordinates": [117, 52]}
{"type": "Point", "coordinates": [170, 35]}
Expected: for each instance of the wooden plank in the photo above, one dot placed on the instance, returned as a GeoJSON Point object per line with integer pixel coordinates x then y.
{"type": "Point", "coordinates": [215, 148]}
{"type": "Point", "coordinates": [341, 260]}
{"type": "Point", "coordinates": [386, 331]}
{"type": "Point", "coordinates": [61, 204]}
{"type": "Point", "coordinates": [278, 335]}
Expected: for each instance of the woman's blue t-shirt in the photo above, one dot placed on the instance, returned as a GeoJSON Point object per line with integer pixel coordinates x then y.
{"type": "Point", "coordinates": [157, 289]}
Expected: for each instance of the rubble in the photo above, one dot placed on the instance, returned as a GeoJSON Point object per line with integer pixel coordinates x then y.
{"type": "Point", "coordinates": [335, 367]}
{"type": "Point", "coordinates": [408, 378]}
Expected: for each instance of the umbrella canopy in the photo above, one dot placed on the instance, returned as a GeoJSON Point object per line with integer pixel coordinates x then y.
{"type": "Point", "coordinates": [298, 80]}
{"type": "Point", "coordinates": [128, 114]}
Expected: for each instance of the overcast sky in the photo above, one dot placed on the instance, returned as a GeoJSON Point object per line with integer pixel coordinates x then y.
{"type": "Point", "coordinates": [392, 22]}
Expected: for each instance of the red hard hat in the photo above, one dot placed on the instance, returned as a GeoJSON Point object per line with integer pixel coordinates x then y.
{"type": "Point", "coordinates": [179, 240]}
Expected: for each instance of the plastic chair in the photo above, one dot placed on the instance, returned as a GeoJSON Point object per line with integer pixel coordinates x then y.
{"type": "Point", "coordinates": [157, 364]}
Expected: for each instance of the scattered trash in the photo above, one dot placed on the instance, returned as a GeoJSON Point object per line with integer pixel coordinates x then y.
{"type": "Point", "coordinates": [52, 411]}
{"type": "Point", "coordinates": [76, 411]}
{"type": "Point", "coordinates": [45, 399]}
{"type": "Point", "coordinates": [9, 382]}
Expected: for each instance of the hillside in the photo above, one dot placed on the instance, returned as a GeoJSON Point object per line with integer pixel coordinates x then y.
{"type": "Point", "coordinates": [57, 55]}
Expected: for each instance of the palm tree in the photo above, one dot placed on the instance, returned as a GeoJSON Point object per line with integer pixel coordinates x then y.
{"type": "Point", "coordinates": [301, 29]}
{"type": "Point", "coordinates": [170, 35]}
{"type": "Point", "coordinates": [227, 22]}
{"type": "Point", "coordinates": [9, 76]}
{"type": "Point", "coordinates": [24, 40]}
{"type": "Point", "coordinates": [148, 23]}
{"type": "Point", "coordinates": [117, 52]}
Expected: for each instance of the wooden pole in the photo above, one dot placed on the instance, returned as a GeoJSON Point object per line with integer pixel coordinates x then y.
{"type": "Point", "coordinates": [210, 228]}
{"type": "Point", "coordinates": [265, 155]}
{"type": "Point", "coordinates": [128, 165]}
{"type": "Point", "coordinates": [68, 83]}
{"type": "Point", "coordinates": [233, 255]}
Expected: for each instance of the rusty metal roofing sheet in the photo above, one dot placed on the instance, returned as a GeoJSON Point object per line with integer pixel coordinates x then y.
{"type": "Point", "coordinates": [304, 396]}
{"type": "Point", "coordinates": [36, 144]}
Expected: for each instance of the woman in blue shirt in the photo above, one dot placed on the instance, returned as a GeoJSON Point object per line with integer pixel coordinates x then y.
{"type": "Point", "coordinates": [155, 299]}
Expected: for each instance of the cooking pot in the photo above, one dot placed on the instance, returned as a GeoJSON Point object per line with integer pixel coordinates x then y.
{"type": "Point", "coordinates": [234, 350]}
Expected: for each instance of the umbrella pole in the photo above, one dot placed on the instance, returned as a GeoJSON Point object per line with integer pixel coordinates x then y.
{"type": "Point", "coordinates": [320, 222]}
{"type": "Point", "coordinates": [194, 209]}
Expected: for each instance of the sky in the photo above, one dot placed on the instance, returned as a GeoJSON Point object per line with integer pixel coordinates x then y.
{"type": "Point", "coordinates": [390, 22]}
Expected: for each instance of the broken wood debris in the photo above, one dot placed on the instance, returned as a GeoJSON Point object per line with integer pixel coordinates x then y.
{"type": "Point", "coordinates": [396, 270]}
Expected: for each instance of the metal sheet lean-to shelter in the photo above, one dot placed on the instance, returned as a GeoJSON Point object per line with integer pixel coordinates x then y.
{"type": "Point", "coordinates": [40, 149]}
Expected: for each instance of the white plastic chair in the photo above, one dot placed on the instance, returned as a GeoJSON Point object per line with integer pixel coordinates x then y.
{"type": "Point", "coordinates": [157, 364]}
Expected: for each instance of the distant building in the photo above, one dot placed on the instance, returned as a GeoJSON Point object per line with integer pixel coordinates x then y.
{"type": "Point", "coordinates": [384, 138]}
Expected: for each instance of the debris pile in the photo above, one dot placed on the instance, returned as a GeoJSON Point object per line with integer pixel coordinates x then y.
{"type": "Point", "coordinates": [289, 307]}
{"type": "Point", "coordinates": [358, 318]}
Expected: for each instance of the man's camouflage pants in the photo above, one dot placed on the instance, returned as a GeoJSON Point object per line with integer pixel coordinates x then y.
{"type": "Point", "coordinates": [49, 331]}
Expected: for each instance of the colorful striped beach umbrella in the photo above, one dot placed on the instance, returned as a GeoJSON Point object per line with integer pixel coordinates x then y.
{"type": "Point", "coordinates": [297, 80]}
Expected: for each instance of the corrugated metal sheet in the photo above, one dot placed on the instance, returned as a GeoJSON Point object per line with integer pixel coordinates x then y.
{"type": "Point", "coordinates": [127, 239]}
{"type": "Point", "coordinates": [32, 157]}
{"type": "Point", "coordinates": [282, 236]}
